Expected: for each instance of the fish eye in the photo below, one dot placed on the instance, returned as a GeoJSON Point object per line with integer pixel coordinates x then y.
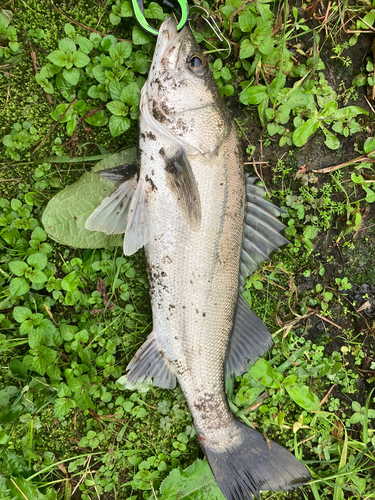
{"type": "Point", "coordinates": [197, 64]}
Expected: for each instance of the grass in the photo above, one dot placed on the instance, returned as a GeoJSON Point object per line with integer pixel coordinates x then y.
{"type": "Point", "coordinates": [70, 319]}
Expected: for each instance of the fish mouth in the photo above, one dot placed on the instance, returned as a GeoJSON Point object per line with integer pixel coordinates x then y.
{"type": "Point", "coordinates": [169, 39]}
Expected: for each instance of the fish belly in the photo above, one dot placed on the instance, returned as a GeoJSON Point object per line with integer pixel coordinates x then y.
{"type": "Point", "coordinates": [193, 274]}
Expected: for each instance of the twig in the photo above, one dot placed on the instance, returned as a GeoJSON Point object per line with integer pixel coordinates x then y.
{"type": "Point", "coordinates": [6, 100]}
{"type": "Point", "coordinates": [7, 180]}
{"type": "Point", "coordinates": [10, 74]}
{"type": "Point", "coordinates": [83, 26]}
{"type": "Point", "coordinates": [33, 58]}
{"type": "Point", "coordinates": [369, 103]}
{"type": "Point", "coordinates": [326, 396]}
{"type": "Point", "coordinates": [329, 321]}
{"type": "Point", "coordinates": [53, 128]}
{"type": "Point", "coordinates": [19, 489]}
{"type": "Point", "coordinates": [359, 159]}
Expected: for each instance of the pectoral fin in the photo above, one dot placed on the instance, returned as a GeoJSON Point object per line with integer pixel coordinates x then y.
{"type": "Point", "coordinates": [120, 174]}
{"type": "Point", "coordinates": [138, 228]}
{"type": "Point", "coordinates": [150, 362]}
{"type": "Point", "coordinates": [111, 216]}
{"type": "Point", "coordinates": [181, 182]}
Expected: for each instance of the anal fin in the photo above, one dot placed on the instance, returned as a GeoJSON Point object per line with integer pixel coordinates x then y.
{"type": "Point", "coordinates": [250, 340]}
{"type": "Point", "coordinates": [149, 361]}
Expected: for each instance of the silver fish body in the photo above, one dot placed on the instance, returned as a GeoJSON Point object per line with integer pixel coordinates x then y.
{"type": "Point", "coordinates": [189, 210]}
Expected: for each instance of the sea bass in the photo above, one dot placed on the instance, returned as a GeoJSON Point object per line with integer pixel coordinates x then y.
{"type": "Point", "coordinates": [205, 228]}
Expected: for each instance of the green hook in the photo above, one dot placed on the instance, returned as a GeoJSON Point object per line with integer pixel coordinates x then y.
{"type": "Point", "coordinates": [180, 6]}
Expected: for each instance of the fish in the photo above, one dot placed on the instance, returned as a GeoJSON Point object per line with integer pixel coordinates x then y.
{"type": "Point", "coordinates": [205, 226]}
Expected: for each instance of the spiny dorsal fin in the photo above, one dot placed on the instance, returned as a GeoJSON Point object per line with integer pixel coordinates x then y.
{"type": "Point", "coordinates": [181, 182]}
{"type": "Point", "coordinates": [149, 361]}
{"type": "Point", "coordinates": [250, 340]}
{"type": "Point", "coordinates": [138, 229]}
{"type": "Point", "coordinates": [261, 231]}
{"type": "Point", "coordinates": [111, 216]}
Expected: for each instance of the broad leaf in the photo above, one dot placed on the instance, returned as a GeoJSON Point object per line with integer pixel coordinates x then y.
{"type": "Point", "coordinates": [303, 132]}
{"type": "Point", "coordinates": [253, 95]}
{"type": "Point", "coordinates": [18, 287]}
{"type": "Point", "coordinates": [194, 483]}
{"type": "Point", "coordinates": [66, 214]}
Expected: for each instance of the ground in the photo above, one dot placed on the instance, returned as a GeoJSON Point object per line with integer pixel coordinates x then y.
{"type": "Point", "coordinates": [71, 319]}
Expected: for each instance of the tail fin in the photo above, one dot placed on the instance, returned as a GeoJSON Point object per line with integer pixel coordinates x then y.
{"type": "Point", "coordinates": [253, 466]}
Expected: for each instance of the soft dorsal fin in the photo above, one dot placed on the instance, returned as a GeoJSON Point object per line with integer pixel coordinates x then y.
{"type": "Point", "coordinates": [138, 229]}
{"type": "Point", "coordinates": [149, 361]}
{"type": "Point", "coordinates": [111, 216]}
{"type": "Point", "coordinates": [180, 180]}
{"type": "Point", "coordinates": [250, 337]}
{"type": "Point", "coordinates": [250, 340]}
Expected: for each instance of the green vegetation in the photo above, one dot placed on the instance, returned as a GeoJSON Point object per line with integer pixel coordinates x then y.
{"type": "Point", "coordinates": [70, 424]}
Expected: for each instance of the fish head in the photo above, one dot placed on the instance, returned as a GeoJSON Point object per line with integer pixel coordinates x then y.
{"type": "Point", "coordinates": [180, 99]}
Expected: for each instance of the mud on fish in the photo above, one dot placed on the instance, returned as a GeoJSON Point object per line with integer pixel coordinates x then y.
{"type": "Point", "coordinates": [205, 228]}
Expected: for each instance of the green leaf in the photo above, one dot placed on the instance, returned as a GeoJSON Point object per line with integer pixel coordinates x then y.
{"type": "Point", "coordinates": [194, 483]}
{"type": "Point", "coordinates": [17, 267]}
{"type": "Point", "coordinates": [114, 19]}
{"type": "Point", "coordinates": [14, 46]}
{"type": "Point", "coordinates": [68, 331]}
{"type": "Point", "coordinates": [118, 125]}
{"type": "Point", "coordinates": [99, 119]}
{"type": "Point", "coordinates": [140, 37]}
{"type": "Point", "coordinates": [262, 371]}
{"type": "Point", "coordinates": [124, 49]}
{"type": "Point", "coordinates": [35, 339]}
{"type": "Point", "coordinates": [65, 88]}
{"type": "Point", "coordinates": [72, 75]}
{"type": "Point", "coordinates": [67, 44]}
{"type": "Point", "coordinates": [18, 369]}
{"type": "Point", "coordinates": [42, 357]}
{"type": "Point", "coordinates": [85, 44]}
{"type": "Point", "coordinates": [253, 95]}
{"type": "Point", "coordinates": [117, 108]}
{"type": "Point", "coordinates": [80, 59]}
{"type": "Point", "coordinates": [369, 145]}
{"type": "Point", "coordinates": [18, 287]}
{"type": "Point", "coordinates": [38, 234]}
{"type": "Point", "coordinates": [70, 282]}
{"type": "Point", "coordinates": [115, 89]}
{"type": "Point", "coordinates": [37, 260]}
{"type": "Point", "coordinates": [62, 406]}
{"type": "Point", "coordinates": [349, 112]}
{"type": "Point", "coordinates": [65, 221]}
{"type": "Point", "coordinates": [154, 11]}
{"type": "Point", "coordinates": [38, 277]}
{"type": "Point", "coordinates": [126, 9]}
{"type": "Point", "coordinates": [370, 194]}
{"type": "Point", "coordinates": [302, 395]}
{"type": "Point", "coordinates": [246, 21]}
{"type": "Point", "coordinates": [57, 57]}
{"type": "Point", "coordinates": [20, 489]}
{"type": "Point", "coordinates": [131, 95]}
{"type": "Point", "coordinates": [331, 140]}
{"type": "Point", "coordinates": [303, 132]}
{"type": "Point", "coordinates": [330, 109]}
{"type": "Point", "coordinates": [247, 49]}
